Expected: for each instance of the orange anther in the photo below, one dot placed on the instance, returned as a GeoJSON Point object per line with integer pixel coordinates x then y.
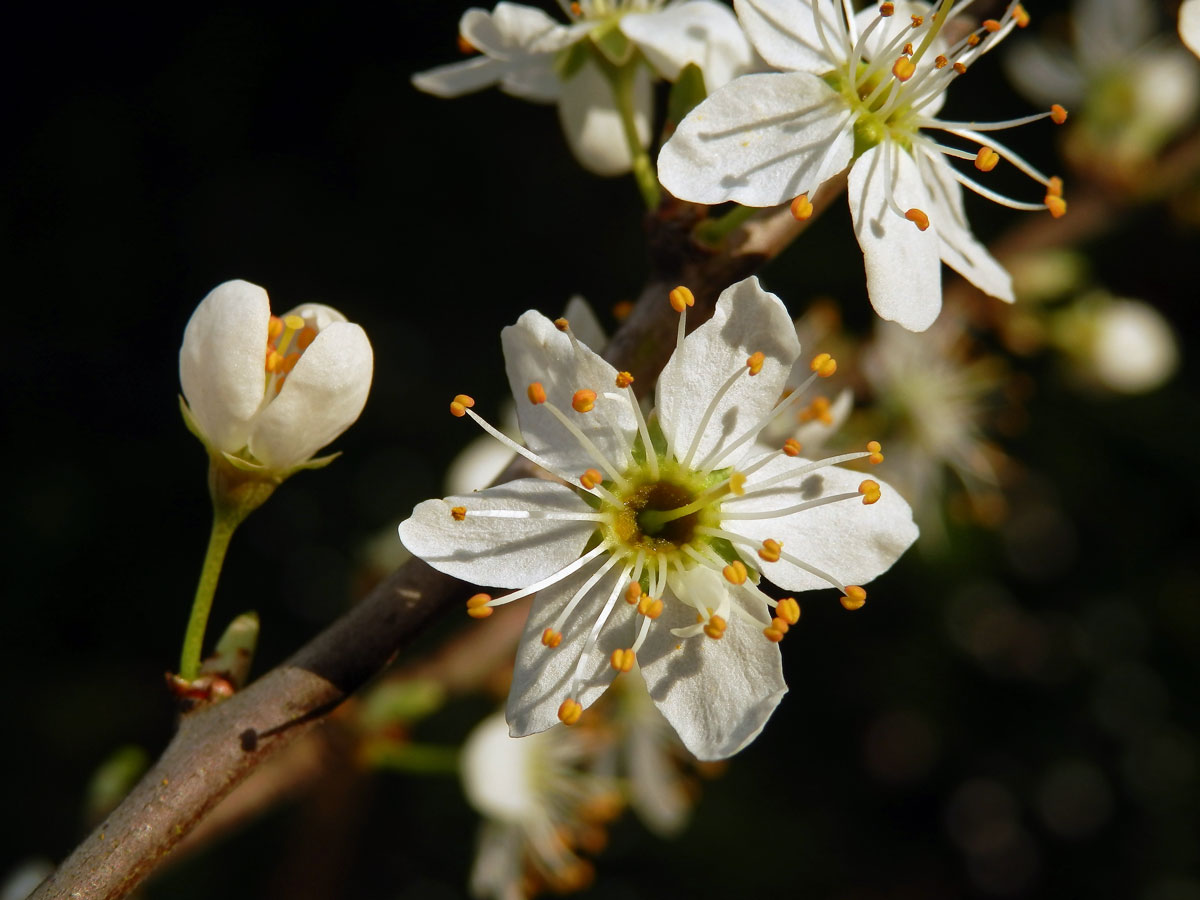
{"type": "Point", "coordinates": [622, 309]}
{"type": "Point", "coordinates": [633, 593]}
{"type": "Point", "coordinates": [624, 379]}
{"type": "Point", "coordinates": [774, 635]}
{"type": "Point", "coordinates": [918, 21]}
{"type": "Point", "coordinates": [551, 638]}
{"type": "Point", "coordinates": [940, 62]}
{"type": "Point", "coordinates": [715, 628]}
{"type": "Point", "coordinates": [1054, 187]}
{"type": "Point", "coordinates": [960, 68]}
{"type": "Point", "coordinates": [536, 393]}
{"type": "Point", "coordinates": [569, 712]}
{"type": "Point", "coordinates": [274, 361]}
{"type": "Point", "coordinates": [780, 625]}
{"type": "Point", "coordinates": [992, 25]}
{"type": "Point", "coordinates": [458, 513]}
{"type": "Point", "coordinates": [819, 409]}
{"type": "Point", "coordinates": [986, 159]}
{"type": "Point", "coordinates": [735, 572]}
{"type": "Point", "coordinates": [870, 491]}
{"type": "Point", "coordinates": [274, 327]}
{"type": "Point", "coordinates": [1020, 16]}
{"type": "Point", "coordinates": [477, 606]}
{"type": "Point", "coordinates": [583, 400]}
{"type": "Point", "coordinates": [886, 9]}
{"type": "Point", "coordinates": [755, 362]}
{"type": "Point", "coordinates": [681, 298]}
{"type": "Point", "coordinates": [855, 597]}
{"type": "Point", "coordinates": [289, 362]}
{"type": "Point", "coordinates": [649, 607]}
{"type": "Point", "coordinates": [903, 68]}
{"type": "Point", "coordinates": [591, 478]}
{"type": "Point", "coordinates": [460, 404]}
{"type": "Point", "coordinates": [908, 50]}
{"type": "Point", "coordinates": [823, 364]}
{"type": "Point", "coordinates": [792, 447]}
{"type": "Point", "coordinates": [1058, 114]}
{"type": "Point", "coordinates": [876, 450]}
{"type": "Point", "coordinates": [1056, 205]}
{"type": "Point", "coordinates": [562, 324]}
{"type": "Point", "coordinates": [918, 218]}
{"type": "Point", "coordinates": [788, 610]}
{"type": "Point", "coordinates": [305, 338]}
{"type": "Point", "coordinates": [801, 208]}
{"type": "Point", "coordinates": [464, 46]}
{"type": "Point", "coordinates": [770, 551]}
{"type": "Point", "coordinates": [973, 40]}
{"type": "Point", "coordinates": [622, 660]}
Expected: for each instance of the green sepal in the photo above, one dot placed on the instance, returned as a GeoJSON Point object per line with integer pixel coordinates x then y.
{"type": "Point", "coordinates": [112, 780]}
{"type": "Point", "coordinates": [401, 703]}
{"type": "Point", "coordinates": [568, 62]}
{"type": "Point", "coordinates": [686, 93]}
{"type": "Point", "coordinates": [191, 424]}
{"type": "Point", "coordinates": [235, 651]}
{"type": "Point", "coordinates": [612, 43]}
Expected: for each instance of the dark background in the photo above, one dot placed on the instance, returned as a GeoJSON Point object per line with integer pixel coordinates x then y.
{"type": "Point", "coordinates": [1017, 718]}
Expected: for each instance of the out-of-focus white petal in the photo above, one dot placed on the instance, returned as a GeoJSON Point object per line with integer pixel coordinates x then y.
{"type": "Point", "coordinates": [1134, 349]}
{"type": "Point", "coordinates": [589, 117]}
{"type": "Point", "coordinates": [221, 361]}
{"type": "Point", "coordinates": [717, 694]}
{"type": "Point", "coordinates": [535, 350]}
{"type": "Point", "coordinates": [1189, 24]}
{"type": "Point", "coordinates": [813, 435]}
{"type": "Point", "coordinates": [747, 320]}
{"type": "Point", "coordinates": [761, 140]}
{"type": "Point", "coordinates": [585, 324]}
{"type": "Point", "coordinates": [1045, 72]}
{"type": "Point", "coordinates": [320, 399]}
{"type": "Point", "coordinates": [903, 263]}
{"type": "Point", "coordinates": [456, 79]}
{"type": "Point", "coordinates": [785, 33]}
{"type": "Point", "coordinates": [543, 676]}
{"type": "Point", "coordinates": [848, 539]}
{"type": "Point", "coordinates": [1107, 31]}
{"type": "Point", "coordinates": [703, 32]}
{"type": "Point", "coordinates": [501, 552]}
{"type": "Point", "coordinates": [959, 249]}
{"type": "Point", "coordinates": [496, 772]}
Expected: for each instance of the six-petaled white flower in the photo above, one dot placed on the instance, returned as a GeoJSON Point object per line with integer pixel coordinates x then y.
{"type": "Point", "coordinates": [653, 546]}
{"type": "Point", "coordinates": [530, 55]}
{"type": "Point", "coordinates": [862, 88]}
{"type": "Point", "coordinates": [268, 392]}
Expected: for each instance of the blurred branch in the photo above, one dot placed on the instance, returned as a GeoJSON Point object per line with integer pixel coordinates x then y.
{"type": "Point", "coordinates": [218, 746]}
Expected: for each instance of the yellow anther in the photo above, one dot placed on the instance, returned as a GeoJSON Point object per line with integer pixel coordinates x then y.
{"type": "Point", "coordinates": [305, 338]}
{"type": "Point", "coordinates": [583, 400]}
{"type": "Point", "coordinates": [562, 324]}
{"type": "Point", "coordinates": [1020, 16]}
{"type": "Point", "coordinates": [918, 21]}
{"type": "Point", "coordinates": [1054, 187]}
{"type": "Point", "coordinates": [774, 635]}
{"type": "Point", "coordinates": [274, 362]}
{"type": "Point", "coordinates": [622, 660]}
{"type": "Point", "coordinates": [876, 450]}
{"type": "Point", "coordinates": [460, 404]}
{"type": "Point", "coordinates": [624, 379]}
{"type": "Point", "coordinates": [1056, 205]}
{"type": "Point", "coordinates": [591, 478]}
{"type": "Point", "coordinates": [458, 513]}
{"type": "Point", "coordinates": [536, 393]}
{"type": "Point", "coordinates": [870, 491]}
{"type": "Point", "coordinates": [294, 322]}
{"type": "Point", "coordinates": [973, 40]}
{"type": "Point", "coordinates": [940, 62]}
{"type": "Point", "coordinates": [918, 218]}
{"type": "Point", "coordinates": [737, 484]}
{"type": "Point", "coordinates": [908, 50]}
{"type": "Point", "coordinates": [649, 607]}
{"type": "Point", "coordinates": [788, 610]}
{"type": "Point", "coordinates": [855, 597]}
{"type": "Point", "coordinates": [992, 25]}
{"type": "Point", "coordinates": [735, 572]}
{"type": "Point", "coordinates": [633, 593]}
{"type": "Point", "coordinates": [886, 9]}
{"type": "Point", "coordinates": [622, 309]}
{"type": "Point", "coordinates": [819, 409]}
{"type": "Point", "coordinates": [792, 447]}
{"type": "Point", "coordinates": [986, 159]}
{"type": "Point", "coordinates": [755, 362]}
{"type": "Point", "coordinates": [715, 628]}
{"type": "Point", "coordinates": [551, 638]}
{"type": "Point", "coordinates": [801, 208]}
{"type": "Point", "coordinates": [1058, 114]}
{"type": "Point", "coordinates": [903, 68]}
{"type": "Point", "coordinates": [569, 712]}
{"type": "Point", "coordinates": [465, 47]}
{"type": "Point", "coordinates": [770, 551]}
{"type": "Point", "coordinates": [274, 328]}
{"type": "Point", "coordinates": [823, 364]}
{"type": "Point", "coordinates": [960, 68]}
{"type": "Point", "coordinates": [780, 625]}
{"type": "Point", "coordinates": [681, 298]}
{"type": "Point", "coordinates": [477, 606]}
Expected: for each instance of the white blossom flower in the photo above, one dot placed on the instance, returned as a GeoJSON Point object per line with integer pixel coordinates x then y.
{"type": "Point", "coordinates": [530, 55]}
{"type": "Point", "coordinates": [1124, 345]}
{"type": "Point", "coordinates": [267, 392]}
{"type": "Point", "coordinates": [1189, 24]}
{"type": "Point", "coordinates": [542, 803]}
{"type": "Point", "coordinates": [863, 90]}
{"type": "Point", "coordinates": [653, 548]}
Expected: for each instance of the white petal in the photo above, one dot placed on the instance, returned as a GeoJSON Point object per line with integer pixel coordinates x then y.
{"type": "Point", "coordinates": [848, 539]}
{"type": "Point", "coordinates": [221, 361]}
{"type": "Point", "coordinates": [959, 249]}
{"type": "Point", "coordinates": [891, 27]}
{"type": "Point", "coordinates": [534, 80]}
{"type": "Point", "coordinates": [592, 124]}
{"type": "Point", "coordinates": [703, 32]}
{"type": "Point", "coordinates": [497, 772]}
{"type": "Point", "coordinates": [543, 676]}
{"type": "Point", "coordinates": [460, 78]}
{"type": "Point", "coordinates": [717, 694]}
{"type": "Point", "coordinates": [714, 352]}
{"type": "Point", "coordinates": [815, 433]}
{"type": "Point", "coordinates": [585, 324]}
{"type": "Point", "coordinates": [785, 33]}
{"type": "Point", "coordinates": [534, 350]}
{"type": "Point", "coordinates": [499, 552]}
{"type": "Point", "coordinates": [761, 140]}
{"type": "Point", "coordinates": [904, 276]}
{"type": "Point", "coordinates": [1108, 31]}
{"type": "Point", "coordinates": [1189, 24]}
{"type": "Point", "coordinates": [320, 399]}
{"type": "Point", "coordinates": [519, 26]}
